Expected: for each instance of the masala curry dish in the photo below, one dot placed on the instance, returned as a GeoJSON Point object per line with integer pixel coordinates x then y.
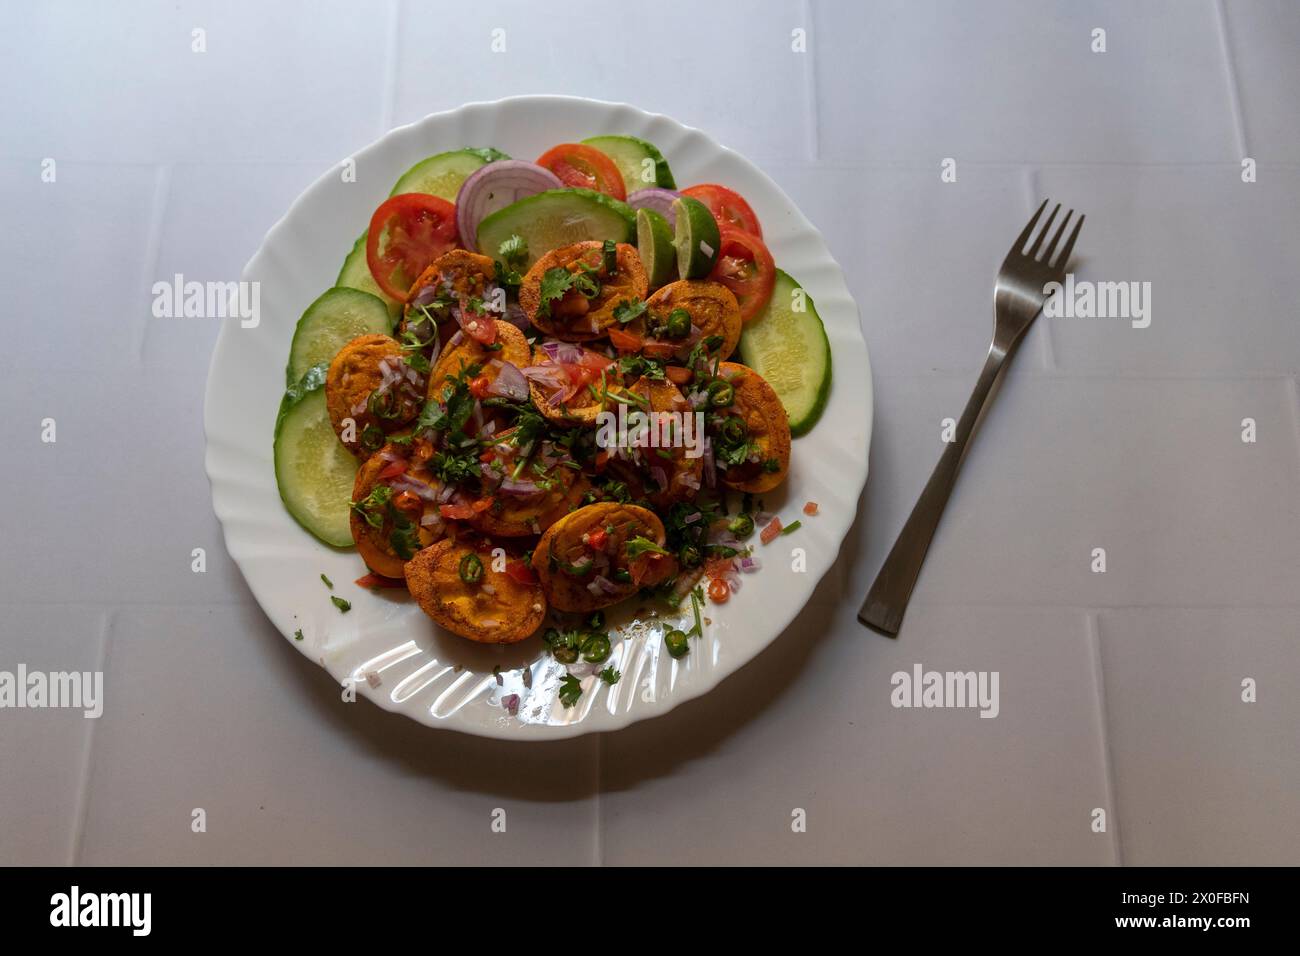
{"type": "Point", "coordinates": [544, 417]}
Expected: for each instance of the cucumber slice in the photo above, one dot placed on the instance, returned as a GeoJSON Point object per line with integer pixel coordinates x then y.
{"type": "Point", "coordinates": [641, 164]}
{"type": "Point", "coordinates": [697, 238]}
{"type": "Point", "coordinates": [788, 347]}
{"type": "Point", "coordinates": [442, 175]}
{"type": "Point", "coordinates": [654, 244]}
{"type": "Point", "coordinates": [313, 470]}
{"type": "Point", "coordinates": [555, 218]}
{"type": "Point", "coordinates": [329, 323]}
{"type": "Point", "coordinates": [355, 274]}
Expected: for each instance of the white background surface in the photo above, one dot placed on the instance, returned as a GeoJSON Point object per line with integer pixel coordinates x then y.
{"type": "Point", "coordinates": [1119, 690]}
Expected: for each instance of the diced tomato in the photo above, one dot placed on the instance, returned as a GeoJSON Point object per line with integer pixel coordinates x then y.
{"type": "Point", "coordinates": [483, 504]}
{"type": "Point", "coordinates": [602, 456]}
{"type": "Point", "coordinates": [746, 267]}
{"type": "Point", "coordinates": [393, 468]}
{"type": "Point", "coordinates": [521, 572]}
{"type": "Point", "coordinates": [585, 167]}
{"type": "Point", "coordinates": [373, 580]}
{"type": "Point", "coordinates": [678, 375]}
{"type": "Point", "coordinates": [651, 568]}
{"type": "Point", "coordinates": [457, 512]}
{"type": "Point", "coordinates": [771, 531]}
{"type": "Point", "coordinates": [596, 539]}
{"type": "Point", "coordinates": [481, 328]}
{"type": "Point", "coordinates": [659, 350]}
{"type": "Point", "coordinates": [719, 591]}
{"type": "Point", "coordinates": [728, 207]}
{"type": "Point", "coordinates": [407, 232]}
{"type": "Point", "coordinates": [625, 341]}
{"type": "Point", "coordinates": [810, 508]}
{"type": "Point", "coordinates": [478, 386]}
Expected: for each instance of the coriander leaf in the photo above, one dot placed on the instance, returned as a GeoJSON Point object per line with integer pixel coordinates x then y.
{"type": "Point", "coordinates": [640, 545]}
{"type": "Point", "coordinates": [342, 605]}
{"type": "Point", "coordinates": [556, 284]}
{"type": "Point", "coordinates": [610, 676]}
{"type": "Point", "coordinates": [629, 311]}
{"type": "Point", "coordinates": [570, 690]}
{"type": "Point", "coordinates": [514, 251]}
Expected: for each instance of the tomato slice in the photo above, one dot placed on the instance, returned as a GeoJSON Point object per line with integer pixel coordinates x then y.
{"type": "Point", "coordinates": [596, 539]}
{"type": "Point", "coordinates": [520, 571]}
{"type": "Point", "coordinates": [373, 580]}
{"type": "Point", "coordinates": [393, 468]}
{"type": "Point", "coordinates": [407, 232]}
{"type": "Point", "coordinates": [625, 341]}
{"type": "Point", "coordinates": [719, 591]}
{"type": "Point", "coordinates": [479, 385]}
{"type": "Point", "coordinates": [678, 375]}
{"type": "Point", "coordinates": [746, 268]}
{"type": "Point", "coordinates": [457, 512]}
{"type": "Point", "coordinates": [585, 167]}
{"type": "Point", "coordinates": [728, 207]}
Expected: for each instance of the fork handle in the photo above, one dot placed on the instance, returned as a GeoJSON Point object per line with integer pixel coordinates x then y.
{"type": "Point", "coordinates": [887, 600]}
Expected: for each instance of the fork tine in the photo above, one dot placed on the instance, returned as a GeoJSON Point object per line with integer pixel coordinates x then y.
{"type": "Point", "coordinates": [1069, 245]}
{"type": "Point", "coordinates": [1029, 229]}
{"type": "Point", "coordinates": [1047, 227]}
{"type": "Point", "coordinates": [1047, 255]}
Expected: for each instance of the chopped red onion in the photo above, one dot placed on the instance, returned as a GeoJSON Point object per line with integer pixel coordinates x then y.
{"type": "Point", "coordinates": [660, 200]}
{"type": "Point", "coordinates": [519, 487]}
{"type": "Point", "coordinates": [511, 703]}
{"type": "Point", "coordinates": [510, 382]}
{"type": "Point", "coordinates": [602, 586]}
{"type": "Point", "coordinates": [494, 187]}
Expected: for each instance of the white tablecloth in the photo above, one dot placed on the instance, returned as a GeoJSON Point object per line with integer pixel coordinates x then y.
{"type": "Point", "coordinates": [1120, 691]}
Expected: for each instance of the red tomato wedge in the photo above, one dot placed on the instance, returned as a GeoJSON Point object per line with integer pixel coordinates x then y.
{"type": "Point", "coordinates": [373, 581]}
{"type": "Point", "coordinates": [520, 572]}
{"type": "Point", "coordinates": [407, 232]}
{"type": "Point", "coordinates": [393, 468]}
{"type": "Point", "coordinates": [746, 268]}
{"type": "Point", "coordinates": [585, 167]}
{"type": "Point", "coordinates": [728, 207]}
{"type": "Point", "coordinates": [625, 341]}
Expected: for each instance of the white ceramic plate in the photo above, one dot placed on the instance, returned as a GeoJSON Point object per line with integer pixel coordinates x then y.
{"type": "Point", "coordinates": [397, 656]}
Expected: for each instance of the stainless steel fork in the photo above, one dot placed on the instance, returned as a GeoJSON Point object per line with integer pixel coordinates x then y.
{"type": "Point", "coordinates": [1018, 297]}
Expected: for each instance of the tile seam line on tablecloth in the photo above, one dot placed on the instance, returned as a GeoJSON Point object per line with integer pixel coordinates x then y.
{"type": "Point", "coordinates": [1230, 71]}
{"type": "Point", "coordinates": [153, 242]}
{"type": "Point", "coordinates": [389, 105]}
{"type": "Point", "coordinates": [812, 103]}
{"type": "Point", "coordinates": [88, 755]}
{"type": "Point", "coordinates": [1046, 337]}
{"type": "Point", "coordinates": [974, 605]}
{"type": "Point", "coordinates": [1293, 387]}
{"type": "Point", "coordinates": [1107, 761]}
{"type": "Point", "coordinates": [1077, 375]}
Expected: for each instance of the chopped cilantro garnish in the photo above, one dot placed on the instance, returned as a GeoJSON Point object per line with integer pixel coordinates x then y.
{"type": "Point", "coordinates": [556, 283]}
{"type": "Point", "coordinates": [297, 636]}
{"type": "Point", "coordinates": [514, 251]}
{"type": "Point", "coordinates": [328, 583]}
{"type": "Point", "coordinates": [342, 605]}
{"type": "Point", "coordinates": [627, 311]}
{"type": "Point", "coordinates": [570, 690]}
{"type": "Point", "coordinates": [640, 545]}
{"type": "Point", "coordinates": [610, 676]}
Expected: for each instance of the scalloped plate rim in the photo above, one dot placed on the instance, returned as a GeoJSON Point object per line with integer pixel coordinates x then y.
{"type": "Point", "coordinates": [517, 730]}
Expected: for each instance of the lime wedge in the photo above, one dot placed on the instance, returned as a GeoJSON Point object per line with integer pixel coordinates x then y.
{"type": "Point", "coordinates": [654, 243]}
{"type": "Point", "coordinates": [697, 238]}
